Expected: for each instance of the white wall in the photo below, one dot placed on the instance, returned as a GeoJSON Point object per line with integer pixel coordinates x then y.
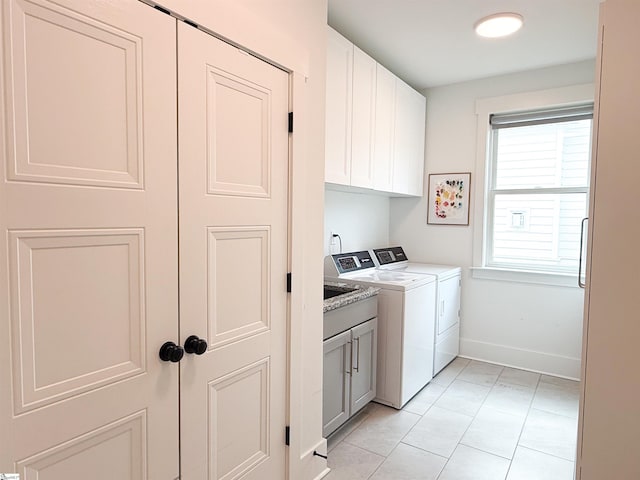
{"type": "Point", "coordinates": [528, 326]}
{"type": "Point", "coordinates": [361, 220]}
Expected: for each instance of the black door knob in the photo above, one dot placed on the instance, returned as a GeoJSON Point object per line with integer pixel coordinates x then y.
{"type": "Point", "coordinates": [196, 345]}
{"type": "Point", "coordinates": [170, 352]}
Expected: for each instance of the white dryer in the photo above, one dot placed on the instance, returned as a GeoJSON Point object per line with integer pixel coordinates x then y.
{"type": "Point", "coordinates": [447, 325]}
{"type": "Point", "coordinates": [406, 322]}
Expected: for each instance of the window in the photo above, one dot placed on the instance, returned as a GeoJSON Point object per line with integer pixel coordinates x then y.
{"type": "Point", "coordinates": [537, 189]}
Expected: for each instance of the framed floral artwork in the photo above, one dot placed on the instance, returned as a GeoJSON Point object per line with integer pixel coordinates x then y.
{"type": "Point", "coordinates": [449, 198]}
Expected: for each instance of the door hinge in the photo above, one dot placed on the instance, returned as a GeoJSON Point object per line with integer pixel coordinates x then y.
{"type": "Point", "coordinates": [289, 282]}
{"type": "Point", "coordinates": [163, 10]}
{"type": "Point", "coordinates": [290, 122]}
{"type": "Point", "coordinates": [189, 22]}
{"type": "Point", "coordinates": [287, 435]}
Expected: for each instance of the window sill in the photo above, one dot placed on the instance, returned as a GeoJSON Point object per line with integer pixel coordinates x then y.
{"type": "Point", "coordinates": [525, 276]}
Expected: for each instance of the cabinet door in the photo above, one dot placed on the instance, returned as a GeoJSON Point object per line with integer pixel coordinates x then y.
{"type": "Point", "coordinates": [409, 134]}
{"type": "Point", "coordinates": [383, 130]}
{"type": "Point", "coordinates": [448, 304]}
{"type": "Point", "coordinates": [338, 108]}
{"type": "Point", "coordinates": [336, 381]}
{"type": "Point", "coordinates": [364, 345]}
{"type": "Point", "coordinates": [88, 235]}
{"type": "Point", "coordinates": [364, 98]}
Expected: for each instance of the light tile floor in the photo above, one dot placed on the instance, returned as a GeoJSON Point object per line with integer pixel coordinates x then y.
{"type": "Point", "coordinates": [473, 421]}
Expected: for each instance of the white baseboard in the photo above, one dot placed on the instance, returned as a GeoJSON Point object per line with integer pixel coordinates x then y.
{"type": "Point", "coordinates": [324, 473]}
{"type": "Point", "coordinates": [540, 362]}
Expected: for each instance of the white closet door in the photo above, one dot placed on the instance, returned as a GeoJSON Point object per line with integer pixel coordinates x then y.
{"type": "Point", "coordinates": [88, 235]}
{"type": "Point", "coordinates": [233, 184]}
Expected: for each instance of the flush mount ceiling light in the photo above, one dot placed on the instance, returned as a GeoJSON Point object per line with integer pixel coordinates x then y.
{"type": "Point", "coordinates": [499, 25]}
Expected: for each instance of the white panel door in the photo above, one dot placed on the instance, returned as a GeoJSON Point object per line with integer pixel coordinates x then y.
{"type": "Point", "coordinates": [233, 185]}
{"type": "Point", "coordinates": [88, 235]}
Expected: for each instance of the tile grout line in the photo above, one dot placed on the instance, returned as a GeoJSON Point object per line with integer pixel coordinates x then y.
{"type": "Point", "coordinates": [472, 419]}
{"type": "Point", "coordinates": [522, 428]}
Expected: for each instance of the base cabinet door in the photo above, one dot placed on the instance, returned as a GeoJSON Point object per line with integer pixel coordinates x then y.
{"type": "Point", "coordinates": [349, 379]}
{"type": "Point", "coordinates": [363, 371]}
{"type": "Point", "coordinates": [336, 382]}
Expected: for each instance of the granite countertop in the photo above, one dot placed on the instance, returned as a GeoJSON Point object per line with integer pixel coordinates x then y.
{"type": "Point", "coordinates": [348, 297]}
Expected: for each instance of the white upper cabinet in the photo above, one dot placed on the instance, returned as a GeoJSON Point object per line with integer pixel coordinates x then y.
{"type": "Point", "coordinates": [338, 109]}
{"type": "Point", "coordinates": [409, 133]}
{"type": "Point", "coordinates": [363, 117]}
{"type": "Point", "coordinates": [375, 124]}
{"type": "Point", "coordinates": [384, 126]}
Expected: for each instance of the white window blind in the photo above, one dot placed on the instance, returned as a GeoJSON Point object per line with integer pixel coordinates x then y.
{"type": "Point", "coordinates": [538, 189]}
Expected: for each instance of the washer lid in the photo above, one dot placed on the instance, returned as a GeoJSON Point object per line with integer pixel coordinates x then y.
{"type": "Point", "coordinates": [389, 278]}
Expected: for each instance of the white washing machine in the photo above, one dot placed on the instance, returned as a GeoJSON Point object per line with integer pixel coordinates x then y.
{"type": "Point", "coordinates": [447, 325]}
{"type": "Point", "coordinates": [406, 322]}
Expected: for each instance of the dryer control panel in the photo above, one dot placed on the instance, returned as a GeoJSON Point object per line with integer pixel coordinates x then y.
{"type": "Point", "coordinates": [386, 256]}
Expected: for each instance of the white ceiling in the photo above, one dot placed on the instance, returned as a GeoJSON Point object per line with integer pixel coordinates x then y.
{"type": "Point", "coordinates": [432, 42]}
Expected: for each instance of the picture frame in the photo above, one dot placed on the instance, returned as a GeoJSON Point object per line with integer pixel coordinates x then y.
{"type": "Point", "coordinates": [448, 198]}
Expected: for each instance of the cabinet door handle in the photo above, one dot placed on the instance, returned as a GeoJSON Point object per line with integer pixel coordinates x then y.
{"type": "Point", "coordinates": [357, 367]}
{"type": "Point", "coordinates": [442, 308]}
{"type": "Point", "coordinates": [349, 372]}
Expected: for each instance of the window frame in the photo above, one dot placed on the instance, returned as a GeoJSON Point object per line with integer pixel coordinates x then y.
{"type": "Point", "coordinates": [530, 101]}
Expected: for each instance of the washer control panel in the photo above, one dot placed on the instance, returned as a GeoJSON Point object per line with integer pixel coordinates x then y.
{"type": "Point", "coordinates": [350, 262]}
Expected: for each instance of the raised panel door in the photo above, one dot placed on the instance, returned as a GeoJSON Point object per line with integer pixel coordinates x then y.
{"type": "Point", "coordinates": [88, 235]}
{"type": "Point", "coordinates": [233, 191]}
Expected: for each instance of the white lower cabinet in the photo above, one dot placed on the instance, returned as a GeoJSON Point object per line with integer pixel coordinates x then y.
{"type": "Point", "coordinates": [349, 378]}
